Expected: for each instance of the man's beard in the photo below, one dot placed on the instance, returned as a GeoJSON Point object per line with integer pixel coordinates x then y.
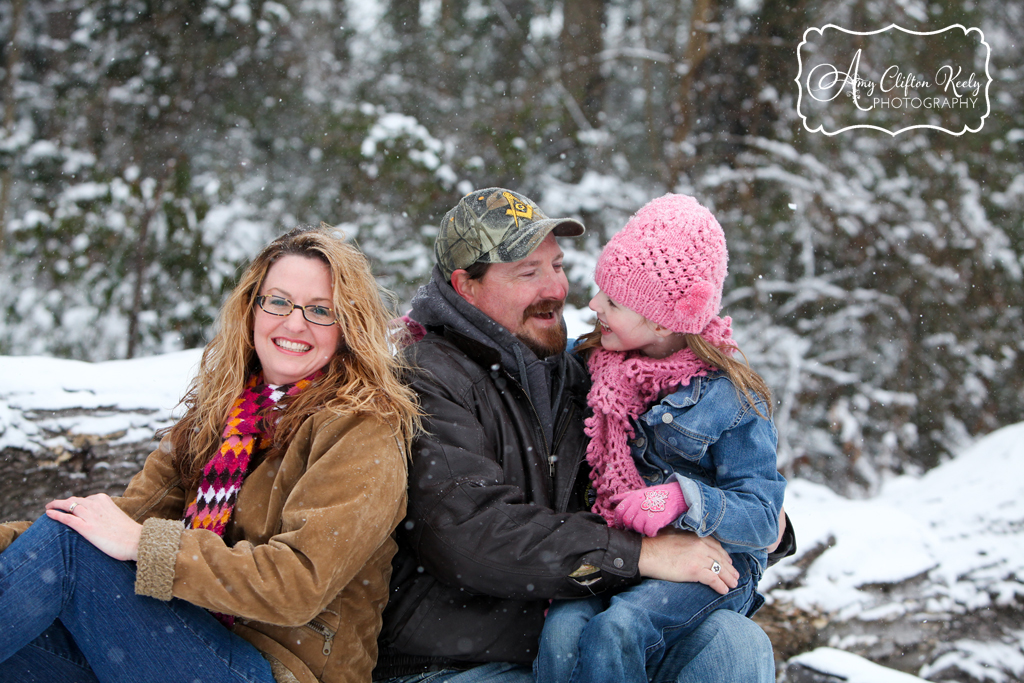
{"type": "Point", "coordinates": [549, 341]}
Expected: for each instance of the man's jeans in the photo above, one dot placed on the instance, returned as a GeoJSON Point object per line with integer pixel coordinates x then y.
{"type": "Point", "coordinates": [725, 647]}
{"type": "Point", "coordinates": [69, 613]}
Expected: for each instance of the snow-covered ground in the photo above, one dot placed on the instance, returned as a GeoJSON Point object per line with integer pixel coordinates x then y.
{"type": "Point", "coordinates": [41, 399]}
{"type": "Point", "coordinates": [943, 545]}
{"type": "Point", "coordinates": [953, 534]}
{"type": "Point", "coordinates": [959, 525]}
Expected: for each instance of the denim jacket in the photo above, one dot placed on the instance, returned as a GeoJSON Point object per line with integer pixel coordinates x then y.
{"type": "Point", "coordinates": [710, 439]}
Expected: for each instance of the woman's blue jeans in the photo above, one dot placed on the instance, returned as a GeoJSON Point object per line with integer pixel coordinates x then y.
{"type": "Point", "coordinates": [598, 640]}
{"type": "Point", "coordinates": [69, 613]}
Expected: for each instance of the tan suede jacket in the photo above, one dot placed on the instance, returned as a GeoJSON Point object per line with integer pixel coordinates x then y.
{"type": "Point", "coordinates": [306, 559]}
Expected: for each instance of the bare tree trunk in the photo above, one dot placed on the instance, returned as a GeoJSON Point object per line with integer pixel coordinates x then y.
{"type": "Point", "coordinates": [10, 105]}
{"type": "Point", "coordinates": [404, 16]}
{"type": "Point", "coordinates": [540, 67]}
{"type": "Point", "coordinates": [582, 40]}
{"type": "Point", "coordinates": [451, 14]}
{"type": "Point", "coordinates": [654, 139]}
{"type": "Point", "coordinates": [140, 258]}
{"type": "Point", "coordinates": [696, 52]}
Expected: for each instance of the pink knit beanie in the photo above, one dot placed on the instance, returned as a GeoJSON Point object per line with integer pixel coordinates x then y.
{"type": "Point", "coordinates": [668, 264]}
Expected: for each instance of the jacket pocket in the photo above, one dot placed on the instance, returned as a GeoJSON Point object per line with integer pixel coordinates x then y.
{"type": "Point", "coordinates": [674, 442]}
{"type": "Point", "coordinates": [324, 631]}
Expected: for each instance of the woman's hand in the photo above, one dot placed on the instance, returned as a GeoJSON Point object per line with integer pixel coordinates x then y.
{"type": "Point", "coordinates": [99, 520]}
{"type": "Point", "coordinates": [683, 556]}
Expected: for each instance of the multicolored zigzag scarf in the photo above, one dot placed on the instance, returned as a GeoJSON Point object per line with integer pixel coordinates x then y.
{"type": "Point", "coordinates": [245, 433]}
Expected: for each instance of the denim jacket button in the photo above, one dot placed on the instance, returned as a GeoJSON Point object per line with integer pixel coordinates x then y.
{"type": "Point", "coordinates": [666, 418]}
{"type": "Point", "coordinates": [618, 563]}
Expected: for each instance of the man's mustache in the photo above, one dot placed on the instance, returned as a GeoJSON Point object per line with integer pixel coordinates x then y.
{"type": "Point", "coordinates": [546, 306]}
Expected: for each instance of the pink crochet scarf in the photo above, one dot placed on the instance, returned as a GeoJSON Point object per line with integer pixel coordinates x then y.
{"type": "Point", "coordinates": [624, 386]}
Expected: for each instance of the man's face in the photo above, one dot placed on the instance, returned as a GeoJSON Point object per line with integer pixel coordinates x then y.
{"type": "Point", "coordinates": [526, 297]}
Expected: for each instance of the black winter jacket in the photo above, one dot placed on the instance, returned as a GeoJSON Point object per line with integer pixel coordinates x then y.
{"type": "Point", "coordinates": [497, 524]}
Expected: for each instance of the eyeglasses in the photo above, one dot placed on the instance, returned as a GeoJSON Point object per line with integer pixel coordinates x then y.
{"type": "Point", "coordinates": [278, 305]}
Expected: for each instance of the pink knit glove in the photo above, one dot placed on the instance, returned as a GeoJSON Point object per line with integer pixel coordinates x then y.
{"type": "Point", "coordinates": [647, 510]}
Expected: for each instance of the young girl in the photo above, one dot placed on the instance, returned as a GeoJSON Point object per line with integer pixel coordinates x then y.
{"type": "Point", "coordinates": [681, 436]}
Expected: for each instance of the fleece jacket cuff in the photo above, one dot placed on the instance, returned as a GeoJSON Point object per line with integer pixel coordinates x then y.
{"type": "Point", "coordinates": [158, 551]}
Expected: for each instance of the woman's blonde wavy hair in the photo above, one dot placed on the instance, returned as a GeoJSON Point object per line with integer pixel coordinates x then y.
{"type": "Point", "coordinates": [363, 376]}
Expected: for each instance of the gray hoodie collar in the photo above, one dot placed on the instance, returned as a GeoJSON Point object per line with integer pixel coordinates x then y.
{"type": "Point", "coordinates": [437, 304]}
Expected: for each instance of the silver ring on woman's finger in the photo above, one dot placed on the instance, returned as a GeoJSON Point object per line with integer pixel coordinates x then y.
{"type": "Point", "coordinates": [715, 567]}
{"type": "Point", "coordinates": [71, 511]}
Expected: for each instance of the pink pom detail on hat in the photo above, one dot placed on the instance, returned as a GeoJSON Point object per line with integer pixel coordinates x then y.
{"type": "Point", "coordinates": [668, 264]}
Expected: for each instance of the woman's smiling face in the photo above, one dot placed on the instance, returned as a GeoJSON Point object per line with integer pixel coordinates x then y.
{"type": "Point", "coordinates": [290, 347]}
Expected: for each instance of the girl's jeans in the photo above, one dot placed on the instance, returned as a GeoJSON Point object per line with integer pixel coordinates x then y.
{"type": "Point", "coordinates": [69, 613]}
{"type": "Point", "coordinates": [596, 640]}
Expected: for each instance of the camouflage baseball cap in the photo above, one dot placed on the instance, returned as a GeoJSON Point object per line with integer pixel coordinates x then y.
{"type": "Point", "coordinates": [495, 226]}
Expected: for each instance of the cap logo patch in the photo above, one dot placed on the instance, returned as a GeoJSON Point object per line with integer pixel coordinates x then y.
{"type": "Point", "coordinates": [517, 209]}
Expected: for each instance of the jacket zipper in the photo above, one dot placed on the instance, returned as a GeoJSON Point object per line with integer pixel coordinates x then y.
{"type": "Point", "coordinates": [561, 428]}
{"type": "Point", "coordinates": [570, 414]}
{"type": "Point", "coordinates": [538, 432]}
{"type": "Point", "coordinates": [556, 439]}
{"type": "Point", "coordinates": [323, 630]}
{"type": "Point", "coordinates": [550, 454]}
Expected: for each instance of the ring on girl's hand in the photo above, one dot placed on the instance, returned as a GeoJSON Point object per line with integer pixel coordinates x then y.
{"type": "Point", "coordinates": [71, 509]}
{"type": "Point", "coordinates": [715, 567]}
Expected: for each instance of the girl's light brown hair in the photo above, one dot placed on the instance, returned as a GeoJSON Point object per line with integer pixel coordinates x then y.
{"type": "Point", "coordinates": [747, 382]}
{"type": "Point", "coordinates": [363, 376]}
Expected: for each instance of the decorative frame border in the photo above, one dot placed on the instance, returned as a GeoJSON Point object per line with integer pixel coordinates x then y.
{"type": "Point", "coordinates": [821, 128]}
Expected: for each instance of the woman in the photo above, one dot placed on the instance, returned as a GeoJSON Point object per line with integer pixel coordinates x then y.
{"type": "Point", "coordinates": [255, 543]}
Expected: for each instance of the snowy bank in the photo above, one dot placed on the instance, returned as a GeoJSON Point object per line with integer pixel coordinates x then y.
{"type": "Point", "coordinates": [44, 402]}
{"type": "Point", "coordinates": [933, 559]}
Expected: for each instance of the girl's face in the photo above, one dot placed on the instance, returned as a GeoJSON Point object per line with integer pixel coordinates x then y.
{"type": "Point", "coordinates": [623, 329]}
{"type": "Point", "coordinates": [289, 346]}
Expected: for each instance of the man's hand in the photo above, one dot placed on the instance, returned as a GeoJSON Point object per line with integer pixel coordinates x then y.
{"type": "Point", "coordinates": [101, 522]}
{"type": "Point", "coordinates": [683, 556]}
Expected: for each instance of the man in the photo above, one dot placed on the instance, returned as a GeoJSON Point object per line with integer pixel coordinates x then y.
{"type": "Point", "coordinates": [499, 520]}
